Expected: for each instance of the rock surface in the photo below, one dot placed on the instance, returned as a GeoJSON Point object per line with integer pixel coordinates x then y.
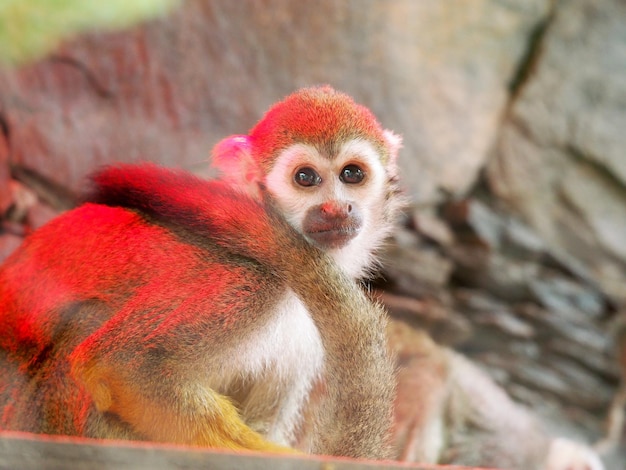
{"type": "Point", "coordinates": [560, 159]}
{"type": "Point", "coordinates": [437, 72]}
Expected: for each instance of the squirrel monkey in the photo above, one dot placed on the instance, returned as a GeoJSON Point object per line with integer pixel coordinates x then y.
{"type": "Point", "coordinates": [173, 309]}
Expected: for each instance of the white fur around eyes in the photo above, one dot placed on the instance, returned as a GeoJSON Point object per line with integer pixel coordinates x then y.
{"type": "Point", "coordinates": [356, 257]}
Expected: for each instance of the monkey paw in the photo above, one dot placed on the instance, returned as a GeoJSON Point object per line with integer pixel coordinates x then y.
{"type": "Point", "coordinates": [569, 455]}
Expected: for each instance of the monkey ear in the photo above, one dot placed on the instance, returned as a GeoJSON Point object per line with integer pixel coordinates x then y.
{"type": "Point", "coordinates": [233, 157]}
{"type": "Point", "coordinates": [394, 144]}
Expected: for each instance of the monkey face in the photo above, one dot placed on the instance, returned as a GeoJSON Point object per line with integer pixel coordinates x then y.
{"type": "Point", "coordinates": [330, 166]}
{"type": "Point", "coordinates": [335, 200]}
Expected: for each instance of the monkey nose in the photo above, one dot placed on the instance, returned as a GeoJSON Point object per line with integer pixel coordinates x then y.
{"type": "Point", "coordinates": [336, 209]}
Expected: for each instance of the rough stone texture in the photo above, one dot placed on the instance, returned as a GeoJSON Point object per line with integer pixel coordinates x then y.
{"type": "Point", "coordinates": [5, 192]}
{"type": "Point", "coordinates": [8, 243]}
{"type": "Point", "coordinates": [560, 159]}
{"type": "Point", "coordinates": [434, 71]}
{"type": "Point", "coordinates": [545, 334]}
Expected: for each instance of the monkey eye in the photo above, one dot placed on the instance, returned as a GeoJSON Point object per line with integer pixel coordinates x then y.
{"type": "Point", "coordinates": [352, 174]}
{"type": "Point", "coordinates": [307, 176]}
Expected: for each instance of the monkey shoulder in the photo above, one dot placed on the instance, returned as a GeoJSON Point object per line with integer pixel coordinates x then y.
{"type": "Point", "coordinates": [102, 252]}
{"type": "Point", "coordinates": [171, 197]}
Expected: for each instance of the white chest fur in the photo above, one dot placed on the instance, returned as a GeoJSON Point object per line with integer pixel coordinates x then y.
{"type": "Point", "coordinates": [290, 344]}
{"type": "Point", "coordinates": [275, 369]}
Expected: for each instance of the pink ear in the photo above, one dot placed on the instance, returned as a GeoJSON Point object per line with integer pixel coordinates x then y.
{"type": "Point", "coordinates": [394, 144]}
{"type": "Point", "coordinates": [233, 157]}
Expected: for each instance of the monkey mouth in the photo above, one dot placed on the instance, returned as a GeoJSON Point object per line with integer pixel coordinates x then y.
{"type": "Point", "coordinates": [332, 237]}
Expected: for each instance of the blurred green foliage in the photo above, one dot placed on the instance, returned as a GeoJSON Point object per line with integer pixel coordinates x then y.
{"type": "Point", "coordinates": [31, 28]}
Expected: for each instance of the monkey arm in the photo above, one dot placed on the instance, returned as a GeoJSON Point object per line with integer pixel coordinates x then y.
{"type": "Point", "coordinates": [359, 373]}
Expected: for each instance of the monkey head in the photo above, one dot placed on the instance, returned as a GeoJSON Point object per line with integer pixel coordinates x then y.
{"type": "Point", "coordinates": [330, 167]}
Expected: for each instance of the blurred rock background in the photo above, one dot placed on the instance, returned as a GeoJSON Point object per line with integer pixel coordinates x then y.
{"type": "Point", "coordinates": [514, 121]}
